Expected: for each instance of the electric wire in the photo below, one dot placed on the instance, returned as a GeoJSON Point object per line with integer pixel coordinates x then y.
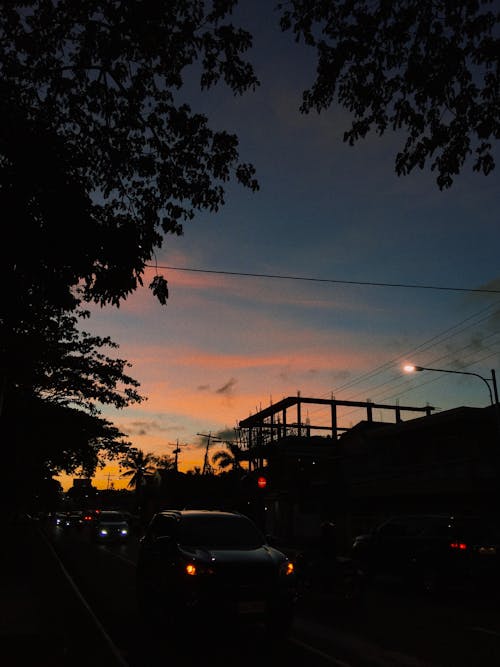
{"type": "Point", "coordinates": [440, 338]}
{"type": "Point", "coordinates": [366, 283]}
{"type": "Point", "coordinates": [384, 366]}
{"type": "Point", "coordinates": [447, 356]}
{"type": "Point", "coordinates": [423, 347]}
{"type": "Point", "coordinates": [416, 386]}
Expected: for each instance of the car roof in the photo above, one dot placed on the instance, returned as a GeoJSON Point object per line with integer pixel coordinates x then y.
{"type": "Point", "coordinates": [421, 516]}
{"type": "Point", "coordinates": [452, 516]}
{"type": "Point", "coordinates": [200, 513]}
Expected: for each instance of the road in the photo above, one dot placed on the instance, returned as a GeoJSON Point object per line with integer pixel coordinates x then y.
{"type": "Point", "coordinates": [391, 628]}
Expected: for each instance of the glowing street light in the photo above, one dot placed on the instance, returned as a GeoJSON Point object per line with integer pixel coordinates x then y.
{"type": "Point", "coordinates": [410, 368]}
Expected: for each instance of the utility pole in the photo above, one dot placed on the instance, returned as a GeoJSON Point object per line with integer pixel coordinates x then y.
{"type": "Point", "coordinates": [207, 468]}
{"type": "Point", "coordinates": [176, 452]}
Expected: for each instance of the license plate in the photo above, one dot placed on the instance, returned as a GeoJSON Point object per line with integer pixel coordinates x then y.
{"type": "Point", "coordinates": [251, 607]}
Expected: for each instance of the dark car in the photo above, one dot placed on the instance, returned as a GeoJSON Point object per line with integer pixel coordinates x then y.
{"type": "Point", "coordinates": [89, 516]}
{"type": "Point", "coordinates": [205, 564]}
{"type": "Point", "coordinates": [110, 526]}
{"type": "Point", "coordinates": [434, 552]}
{"type": "Point", "coordinates": [70, 520]}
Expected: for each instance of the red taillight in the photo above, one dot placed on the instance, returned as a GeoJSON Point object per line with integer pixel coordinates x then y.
{"type": "Point", "coordinates": [261, 482]}
{"type": "Point", "coordinates": [461, 546]}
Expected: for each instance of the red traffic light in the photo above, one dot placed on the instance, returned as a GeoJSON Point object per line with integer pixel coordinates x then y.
{"type": "Point", "coordinates": [261, 482]}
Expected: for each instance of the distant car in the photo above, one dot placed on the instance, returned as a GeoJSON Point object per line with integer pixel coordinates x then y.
{"type": "Point", "coordinates": [71, 520]}
{"type": "Point", "coordinates": [110, 526]}
{"type": "Point", "coordinates": [89, 516]}
{"type": "Point", "coordinates": [58, 518]}
{"type": "Point", "coordinates": [205, 564]}
{"type": "Point", "coordinates": [434, 552]}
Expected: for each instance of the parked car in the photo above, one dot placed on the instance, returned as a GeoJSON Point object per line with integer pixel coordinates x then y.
{"type": "Point", "coordinates": [433, 552]}
{"type": "Point", "coordinates": [110, 526]}
{"type": "Point", "coordinates": [205, 564]}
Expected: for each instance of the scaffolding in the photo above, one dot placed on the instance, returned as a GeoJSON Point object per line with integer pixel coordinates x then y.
{"type": "Point", "coordinates": [274, 423]}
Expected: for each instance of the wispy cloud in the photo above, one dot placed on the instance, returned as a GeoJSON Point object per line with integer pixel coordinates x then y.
{"type": "Point", "coordinates": [227, 388]}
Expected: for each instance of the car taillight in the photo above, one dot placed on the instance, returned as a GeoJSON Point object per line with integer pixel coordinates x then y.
{"type": "Point", "coordinates": [461, 546]}
{"type": "Point", "coordinates": [196, 569]}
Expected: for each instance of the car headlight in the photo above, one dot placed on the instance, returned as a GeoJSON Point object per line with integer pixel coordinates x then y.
{"type": "Point", "coordinates": [287, 568]}
{"type": "Point", "coordinates": [123, 531]}
{"type": "Point", "coordinates": [103, 531]}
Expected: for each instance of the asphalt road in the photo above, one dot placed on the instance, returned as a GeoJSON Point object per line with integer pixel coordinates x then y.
{"type": "Point", "coordinates": [391, 628]}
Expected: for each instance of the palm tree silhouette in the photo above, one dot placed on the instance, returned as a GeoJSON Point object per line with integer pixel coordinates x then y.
{"type": "Point", "coordinates": [228, 458]}
{"type": "Point", "coordinates": [138, 466]}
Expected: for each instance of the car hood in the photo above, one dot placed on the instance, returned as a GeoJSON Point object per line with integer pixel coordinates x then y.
{"type": "Point", "coordinates": [253, 556]}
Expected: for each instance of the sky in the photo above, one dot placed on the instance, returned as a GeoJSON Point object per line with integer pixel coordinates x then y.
{"type": "Point", "coordinates": [227, 345]}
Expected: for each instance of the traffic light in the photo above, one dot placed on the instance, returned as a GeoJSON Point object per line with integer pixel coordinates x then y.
{"type": "Point", "coordinates": [261, 481]}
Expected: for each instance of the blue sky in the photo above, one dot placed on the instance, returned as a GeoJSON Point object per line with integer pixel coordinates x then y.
{"type": "Point", "coordinates": [226, 345]}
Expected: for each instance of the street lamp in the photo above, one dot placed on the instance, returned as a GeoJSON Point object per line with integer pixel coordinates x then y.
{"type": "Point", "coordinates": [410, 368]}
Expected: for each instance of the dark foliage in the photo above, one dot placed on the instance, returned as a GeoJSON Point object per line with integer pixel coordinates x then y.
{"type": "Point", "coordinates": [99, 158]}
{"type": "Point", "coordinates": [41, 438]}
{"type": "Point", "coordinates": [427, 67]}
{"type": "Point", "coordinates": [56, 377]}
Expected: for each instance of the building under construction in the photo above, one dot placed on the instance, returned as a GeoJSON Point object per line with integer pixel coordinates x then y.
{"type": "Point", "coordinates": [360, 474]}
{"type": "Point", "coordinates": [290, 417]}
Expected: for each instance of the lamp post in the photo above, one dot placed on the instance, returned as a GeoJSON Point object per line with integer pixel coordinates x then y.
{"type": "Point", "coordinates": [409, 368]}
{"type": "Point", "coordinates": [493, 380]}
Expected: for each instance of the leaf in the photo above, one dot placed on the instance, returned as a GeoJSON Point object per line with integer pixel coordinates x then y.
{"type": "Point", "coordinates": [159, 287]}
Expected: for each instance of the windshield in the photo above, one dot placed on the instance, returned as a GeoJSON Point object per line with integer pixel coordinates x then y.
{"type": "Point", "coordinates": [219, 532]}
{"type": "Point", "coordinates": [111, 516]}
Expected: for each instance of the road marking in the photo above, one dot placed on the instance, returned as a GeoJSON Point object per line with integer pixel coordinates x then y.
{"type": "Point", "coordinates": [123, 558]}
{"type": "Point", "coordinates": [113, 648]}
{"type": "Point", "coordinates": [322, 654]}
{"type": "Point", "coordinates": [485, 630]}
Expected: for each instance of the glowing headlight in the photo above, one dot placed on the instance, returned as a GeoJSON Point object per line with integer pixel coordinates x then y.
{"type": "Point", "coordinates": [287, 568]}
{"type": "Point", "coordinates": [103, 531]}
{"type": "Point", "coordinates": [124, 531]}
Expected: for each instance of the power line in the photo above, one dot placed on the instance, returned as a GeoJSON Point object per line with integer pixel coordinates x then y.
{"type": "Point", "coordinates": [325, 280]}
{"type": "Point", "coordinates": [427, 345]}
{"type": "Point", "coordinates": [423, 347]}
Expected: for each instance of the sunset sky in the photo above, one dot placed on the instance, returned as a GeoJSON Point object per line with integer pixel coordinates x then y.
{"type": "Point", "coordinates": [226, 345]}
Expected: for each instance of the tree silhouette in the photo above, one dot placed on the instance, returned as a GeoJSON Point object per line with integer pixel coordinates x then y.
{"type": "Point", "coordinates": [93, 132]}
{"type": "Point", "coordinates": [56, 378]}
{"type": "Point", "coordinates": [430, 68]}
{"type": "Point", "coordinates": [138, 466]}
{"type": "Point", "coordinates": [227, 458]}
{"type": "Point", "coordinates": [98, 162]}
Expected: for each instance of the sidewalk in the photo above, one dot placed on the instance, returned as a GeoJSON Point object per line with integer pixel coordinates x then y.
{"type": "Point", "coordinates": [43, 620]}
